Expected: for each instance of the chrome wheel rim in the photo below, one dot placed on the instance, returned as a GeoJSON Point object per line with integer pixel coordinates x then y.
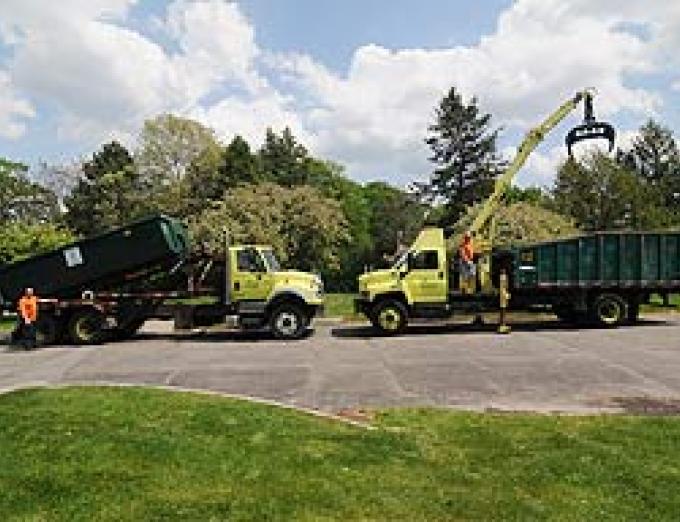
{"type": "Point", "coordinates": [287, 323]}
{"type": "Point", "coordinates": [389, 319]}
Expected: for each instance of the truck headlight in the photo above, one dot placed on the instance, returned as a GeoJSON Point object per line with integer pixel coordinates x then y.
{"type": "Point", "coordinates": [319, 287]}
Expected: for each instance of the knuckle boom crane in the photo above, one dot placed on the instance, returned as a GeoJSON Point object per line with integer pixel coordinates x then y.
{"type": "Point", "coordinates": [422, 282]}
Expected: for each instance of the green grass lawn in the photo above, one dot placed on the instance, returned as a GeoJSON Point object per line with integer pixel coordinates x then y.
{"type": "Point", "coordinates": [7, 323]}
{"type": "Point", "coordinates": [341, 305]}
{"type": "Point", "coordinates": [134, 454]}
{"type": "Point", "coordinates": [656, 304]}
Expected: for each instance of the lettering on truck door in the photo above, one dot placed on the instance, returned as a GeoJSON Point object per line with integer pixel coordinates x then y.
{"type": "Point", "coordinates": [251, 282]}
{"type": "Point", "coordinates": [427, 277]}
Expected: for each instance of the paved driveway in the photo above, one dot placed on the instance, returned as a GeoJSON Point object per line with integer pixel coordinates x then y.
{"type": "Point", "coordinates": [542, 366]}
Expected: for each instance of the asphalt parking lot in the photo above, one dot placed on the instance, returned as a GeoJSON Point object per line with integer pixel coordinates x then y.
{"type": "Point", "coordinates": [542, 366]}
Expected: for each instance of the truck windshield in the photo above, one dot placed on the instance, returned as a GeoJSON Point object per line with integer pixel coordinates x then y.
{"type": "Point", "coordinates": [272, 263]}
{"type": "Point", "coordinates": [401, 261]}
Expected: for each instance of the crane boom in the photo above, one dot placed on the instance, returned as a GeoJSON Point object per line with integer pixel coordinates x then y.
{"type": "Point", "coordinates": [532, 139]}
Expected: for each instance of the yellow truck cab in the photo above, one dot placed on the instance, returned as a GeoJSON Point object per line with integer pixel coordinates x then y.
{"type": "Point", "coordinates": [416, 285]}
{"type": "Point", "coordinates": [260, 294]}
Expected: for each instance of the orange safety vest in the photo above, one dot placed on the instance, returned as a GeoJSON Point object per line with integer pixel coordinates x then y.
{"type": "Point", "coordinates": [28, 308]}
{"type": "Point", "coordinates": [467, 252]}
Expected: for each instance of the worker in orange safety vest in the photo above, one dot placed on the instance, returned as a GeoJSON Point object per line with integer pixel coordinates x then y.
{"type": "Point", "coordinates": [28, 315]}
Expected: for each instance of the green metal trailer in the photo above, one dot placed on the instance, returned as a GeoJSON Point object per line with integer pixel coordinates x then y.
{"type": "Point", "coordinates": [603, 276]}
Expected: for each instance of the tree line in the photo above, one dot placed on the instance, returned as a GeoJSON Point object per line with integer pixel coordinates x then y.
{"type": "Point", "coordinates": [636, 188]}
{"type": "Point", "coordinates": [316, 217]}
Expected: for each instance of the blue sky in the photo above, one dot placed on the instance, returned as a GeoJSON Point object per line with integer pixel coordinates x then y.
{"type": "Point", "coordinates": [356, 80]}
{"type": "Point", "coordinates": [331, 31]}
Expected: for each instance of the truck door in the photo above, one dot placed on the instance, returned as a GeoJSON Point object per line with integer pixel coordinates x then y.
{"type": "Point", "coordinates": [250, 280]}
{"type": "Point", "coordinates": [427, 278]}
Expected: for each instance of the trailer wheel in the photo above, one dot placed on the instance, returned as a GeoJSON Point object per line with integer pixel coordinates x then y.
{"type": "Point", "coordinates": [48, 329]}
{"type": "Point", "coordinates": [288, 321]}
{"type": "Point", "coordinates": [389, 317]}
{"type": "Point", "coordinates": [86, 327]}
{"type": "Point", "coordinates": [610, 310]}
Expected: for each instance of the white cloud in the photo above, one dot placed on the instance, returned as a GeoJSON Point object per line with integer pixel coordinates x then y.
{"type": "Point", "coordinates": [217, 44]}
{"type": "Point", "coordinates": [14, 110]}
{"type": "Point", "coordinates": [541, 53]}
{"type": "Point", "coordinates": [540, 167]}
{"type": "Point", "coordinates": [251, 118]}
{"type": "Point", "coordinates": [104, 79]}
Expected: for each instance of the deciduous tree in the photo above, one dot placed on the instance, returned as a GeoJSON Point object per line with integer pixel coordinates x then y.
{"type": "Point", "coordinates": [306, 229]}
{"type": "Point", "coordinates": [23, 239]}
{"type": "Point", "coordinates": [601, 194]}
{"type": "Point", "coordinates": [22, 199]}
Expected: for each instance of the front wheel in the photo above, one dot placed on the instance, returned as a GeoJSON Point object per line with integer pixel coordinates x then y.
{"type": "Point", "coordinates": [609, 310]}
{"type": "Point", "coordinates": [389, 317]}
{"type": "Point", "coordinates": [288, 321]}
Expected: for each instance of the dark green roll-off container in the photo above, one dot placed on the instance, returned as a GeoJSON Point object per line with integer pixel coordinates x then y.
{"type": "Point", "coordinates": [103, 262]}
{"type": "Point", "coordinates": [603, 260]}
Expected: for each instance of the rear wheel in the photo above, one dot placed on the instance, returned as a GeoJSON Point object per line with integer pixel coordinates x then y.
{"type": "Point", "coordinates": [609, 310]}
{"type": "Point", "coordinates": [288, 321]}
{"type": "Point", "coordinates": [390, 317]}
{"type": "Point", "coordinates": [86, 327]}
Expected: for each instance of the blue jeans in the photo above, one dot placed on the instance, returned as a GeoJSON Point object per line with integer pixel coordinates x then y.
{"type": "Point", "coordinates": [28, 336]}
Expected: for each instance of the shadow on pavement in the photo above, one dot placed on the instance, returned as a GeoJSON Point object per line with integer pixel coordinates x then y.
{"type": "Point", "coordinates": [201, 337]}
{"type": "Point", "coordinates": [366, 332]}
{"type": "Point", "coordinates": [215, 337]}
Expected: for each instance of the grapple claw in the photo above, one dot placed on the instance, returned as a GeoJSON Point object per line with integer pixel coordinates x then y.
{"type": "Point", "coordinates": [590, 129]}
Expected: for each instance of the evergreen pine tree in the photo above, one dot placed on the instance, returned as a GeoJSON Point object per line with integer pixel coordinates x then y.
{"type": "Point", "coordinates": [463, 149]}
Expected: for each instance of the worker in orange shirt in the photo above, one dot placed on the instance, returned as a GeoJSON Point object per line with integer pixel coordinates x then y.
{"type": "Point", "coordinates": [28, 315]}
{"type": "Point", "coordinates": [468, 274]}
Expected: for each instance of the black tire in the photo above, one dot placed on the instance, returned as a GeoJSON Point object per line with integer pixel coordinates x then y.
{"type": "Point", "coordinates": [86, 327]}
{"type": "Point", "coordinates": [389, 317]}
{"type": "Point", "coordinates": [48, 329]}
{"type": "Point", "coordinates": [288, 321]}
{"type": "Point", "coordinates": [609, 310]}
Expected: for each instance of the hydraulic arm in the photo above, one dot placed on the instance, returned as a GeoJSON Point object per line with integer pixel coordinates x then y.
{"type": "Point", "coordinates": [590, 129]}
{"type": "Point", "coordinates": [483, 225]}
